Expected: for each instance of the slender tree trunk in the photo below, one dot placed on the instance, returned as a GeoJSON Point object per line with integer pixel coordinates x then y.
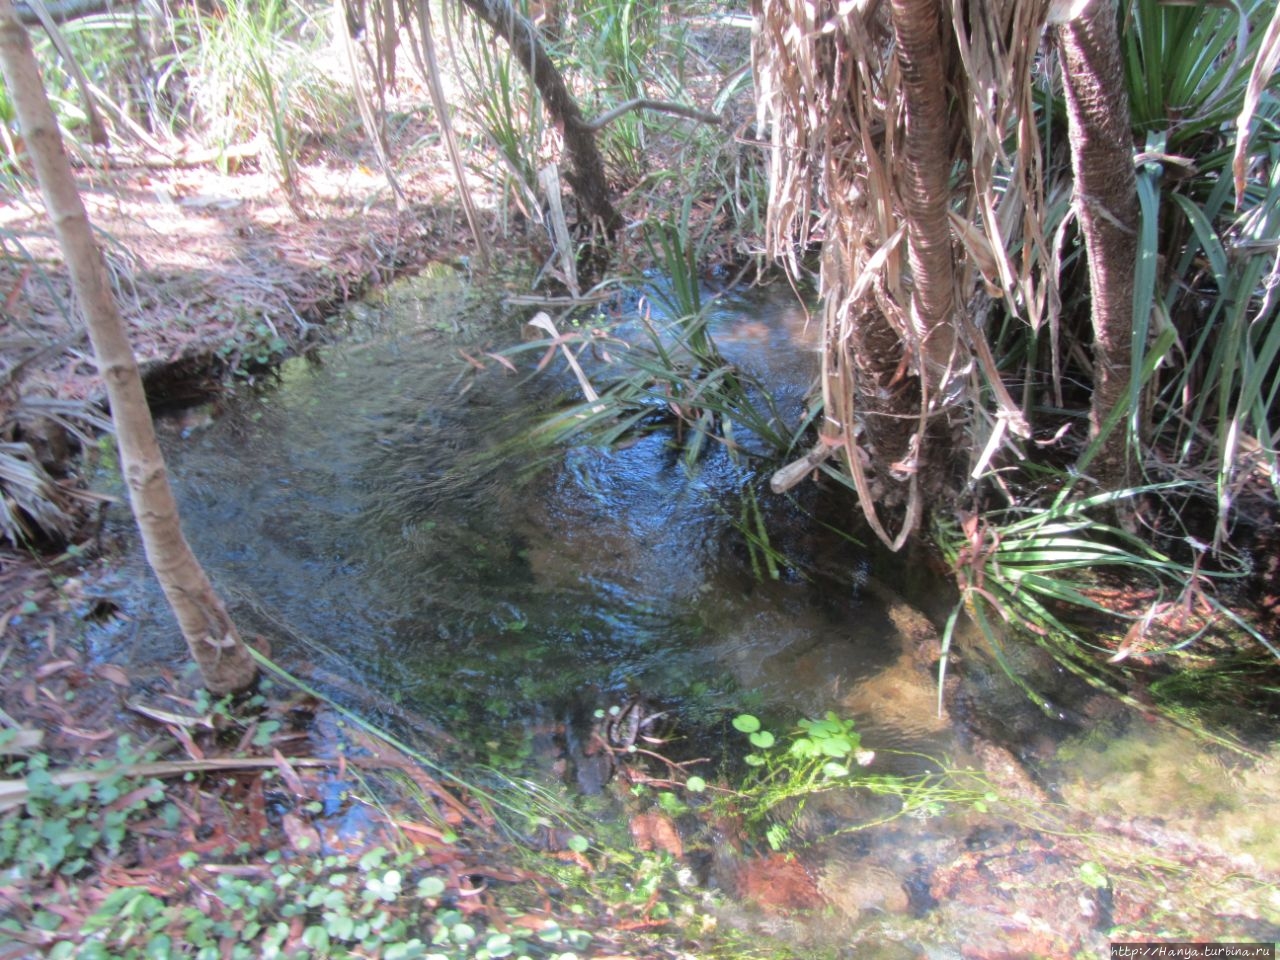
{"type": "Point", "coordinates": [1106, 198]}
{"type": "Point", "coordinates": [586, 175]}
{"type": "Point", "coordinates": [224, 661]}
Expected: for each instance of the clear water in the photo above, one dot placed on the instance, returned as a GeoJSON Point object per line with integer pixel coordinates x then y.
{"type": "Point", "coordinates": [365, 502]}
{"type": "Point", "coordinates": [371, 515]}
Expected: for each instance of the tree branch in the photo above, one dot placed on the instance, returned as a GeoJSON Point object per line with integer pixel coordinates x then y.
{"type": "Point", "coordinates": [64, 10]}
{"type": "Point", "coordinates": [661, 106]}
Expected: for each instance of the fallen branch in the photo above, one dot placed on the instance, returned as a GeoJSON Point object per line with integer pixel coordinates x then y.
{"type": "Point", "coordinates": [63, 10]}
{"type": "Point", "coordinates": [787, 477]}
{"type": "Point", "coordinates": [183, 159]}
{"type": "Point", "coordinates": [557, 303]}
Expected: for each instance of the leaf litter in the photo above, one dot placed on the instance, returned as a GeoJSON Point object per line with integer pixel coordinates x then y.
{"type": "Point", "coordinates": [193, 819]}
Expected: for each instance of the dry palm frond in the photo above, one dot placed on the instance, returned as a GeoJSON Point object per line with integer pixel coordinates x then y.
{"type": "Point", "coordinates": [31, 501]}
{"type": "Point", "coordinates": [77, 417]}
{"type": "Point", "coordinates": [1264, 69]}
{"type": "Point", "coordinates": [376, 132]}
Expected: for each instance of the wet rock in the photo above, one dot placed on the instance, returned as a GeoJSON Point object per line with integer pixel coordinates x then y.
{"type": "Point", "coordinates": [902, 695]}
{"type": "Point", "coordinates": [777, 882]}
{"type": "Point", "coordinates": [592, 772]}
{"type": "Point", "coordinates": [1007, 774]}
{"type": "Point", "coordinates": [855, 887]}
{"type": "Point", "coordinates": [822, 815]}
{"type": "Point", "coordinates": [919, 636]}
{"type": "Point", "coordinates": [656, 831]}
{"type": "Point", "coordinates": [920, 900]}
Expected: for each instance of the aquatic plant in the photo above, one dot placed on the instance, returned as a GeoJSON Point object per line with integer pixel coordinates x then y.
{"type": "Point", "coordinates": [673, 378]}
{"type": "Point", "coordinates": [826, 754]}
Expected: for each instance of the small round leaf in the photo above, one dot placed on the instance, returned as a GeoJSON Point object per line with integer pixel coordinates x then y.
{"type": "Point", "coordinates": [430, 887]}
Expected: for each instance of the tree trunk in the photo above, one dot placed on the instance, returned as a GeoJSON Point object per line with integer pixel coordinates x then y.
{"type": "Point", "coordinates": [225, 663]}
{"type": "Point", "coordinates": [926, 192]}
{"type": "Point", "coordinates": [866, 141]}
{"type": "Point", "coordinates": [1106, 199]}
{"type": "Point", "coordinates": [586, 176]}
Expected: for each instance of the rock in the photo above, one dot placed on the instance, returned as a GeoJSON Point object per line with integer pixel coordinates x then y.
{"type": "Point", "coordinates": [856, 886]}
{"type": "Point", "coordinates": [777, 882]}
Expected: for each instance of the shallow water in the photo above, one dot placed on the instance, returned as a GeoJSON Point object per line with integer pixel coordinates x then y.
{"type": "Point", "coordinates": [370, 514]}
{"type": "Point", "coordinates": [360, 502]}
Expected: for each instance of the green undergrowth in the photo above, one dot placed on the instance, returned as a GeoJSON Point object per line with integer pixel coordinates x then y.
{"type": "Point", "coordinates": [63, 825]}
{"type": "Point", "coordinates": [380, 903]}
{"type": "Point", "coordinates": [1124, 616]}
{"type": "Point", "coordinates": [245, 855]}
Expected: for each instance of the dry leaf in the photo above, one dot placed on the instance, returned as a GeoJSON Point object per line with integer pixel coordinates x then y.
{"type": "Point", "coordinates": [303, 837]}
{"type": "Point", "coordinates": [49, 669]}
{"type": "Point", "coordinates": [109, 671]}
{"type": "Point", "coordinates": [290, 775]}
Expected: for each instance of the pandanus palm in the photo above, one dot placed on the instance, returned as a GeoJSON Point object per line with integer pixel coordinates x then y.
{"type": "Point", "coordinates": [917, 139]}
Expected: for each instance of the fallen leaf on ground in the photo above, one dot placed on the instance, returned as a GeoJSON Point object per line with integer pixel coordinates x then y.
{"type": "Point", "coordinates": [49, 669]}
{"type": "Point", "coordinates": [23, 741]}
{"type": "Point", "coordinates": [109, 671]}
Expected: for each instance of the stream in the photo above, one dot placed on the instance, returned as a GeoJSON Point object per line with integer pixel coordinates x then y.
{"type": "Point", "coordinates": [375, 514]}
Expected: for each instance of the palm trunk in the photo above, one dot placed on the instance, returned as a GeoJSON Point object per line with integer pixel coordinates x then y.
{"type": "Point", "coordinates": [926, 195]}
{"type": "Point", "coordinates": [1106, 198]}
{"type": "Point", "coordinates": [225, 663]}
{"type": "Point", "coordinates": [877, 136]}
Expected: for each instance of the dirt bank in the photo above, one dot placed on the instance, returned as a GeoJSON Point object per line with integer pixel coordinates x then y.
{"type": "Point", "coordinates": [212, 269]}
